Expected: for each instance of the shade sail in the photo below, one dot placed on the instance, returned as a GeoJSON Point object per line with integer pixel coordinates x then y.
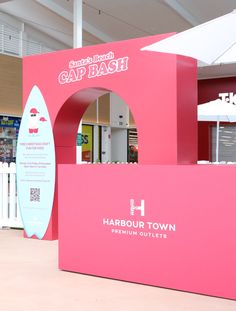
{"type": "Point", "coordinates": [212, 42]}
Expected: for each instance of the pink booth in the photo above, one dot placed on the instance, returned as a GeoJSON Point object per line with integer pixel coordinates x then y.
{"type": "Point", "coordinates": [165, 221]}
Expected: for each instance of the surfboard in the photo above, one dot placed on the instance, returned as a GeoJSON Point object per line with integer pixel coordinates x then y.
{"type": "Point", "coordinates": [35, 162]}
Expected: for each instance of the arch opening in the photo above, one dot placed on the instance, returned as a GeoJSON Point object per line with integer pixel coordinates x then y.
{"type": "Point", "coordinates": [107, 131]}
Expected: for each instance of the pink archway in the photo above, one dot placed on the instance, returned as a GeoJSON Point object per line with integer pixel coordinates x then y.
{"type": "Point", "coordinates": [159, 91]}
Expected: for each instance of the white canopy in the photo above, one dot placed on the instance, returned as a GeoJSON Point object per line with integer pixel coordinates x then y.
{"type": "Point", "coordinates": [212, 42]}
{"type": "Point", "coordinates": [217, 110]}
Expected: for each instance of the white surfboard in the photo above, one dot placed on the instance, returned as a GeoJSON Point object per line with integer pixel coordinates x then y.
{"type": "Point", "coordinates": [35, 162]}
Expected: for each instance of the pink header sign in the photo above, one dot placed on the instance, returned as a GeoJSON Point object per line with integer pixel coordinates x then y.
{"type": "Point", "coordinates": [162, 222]}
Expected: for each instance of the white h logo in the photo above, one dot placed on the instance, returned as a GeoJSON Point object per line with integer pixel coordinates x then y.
{"type": "Point", "coordinates": [133, 207]}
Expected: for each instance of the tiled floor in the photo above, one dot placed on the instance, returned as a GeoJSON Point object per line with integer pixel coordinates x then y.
{"type": "Point", "coordinates": [30, 280]}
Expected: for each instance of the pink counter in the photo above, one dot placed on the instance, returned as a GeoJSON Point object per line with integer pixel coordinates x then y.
{"type": "Point", "coordinates": [181, 235]}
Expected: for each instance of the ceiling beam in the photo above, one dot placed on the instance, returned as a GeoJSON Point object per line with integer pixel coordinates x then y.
{"type": "Point", "coordinates": [59, 10]}
{"type": "Point", "coordinates": [96, 32]}
{"type": "Point", "coordinates": [178, 8]}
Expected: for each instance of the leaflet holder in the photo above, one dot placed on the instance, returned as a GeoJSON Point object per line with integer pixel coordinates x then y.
{"type": "Point", "coordinates": [165, 221]}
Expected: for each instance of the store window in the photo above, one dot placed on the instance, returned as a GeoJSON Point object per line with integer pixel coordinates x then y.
{"type": "Point", "coordinates": [9, 129]}
{"type": "Point", "coordinates": [227, 143]}
{"type": "Point", "coordinates": [108, 132]}
{"type": "Point", "coordinates": [85, 140]}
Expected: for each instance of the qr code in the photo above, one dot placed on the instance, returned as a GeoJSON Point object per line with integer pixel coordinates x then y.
{"type": "Point", "coordinates": [35, 194]}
